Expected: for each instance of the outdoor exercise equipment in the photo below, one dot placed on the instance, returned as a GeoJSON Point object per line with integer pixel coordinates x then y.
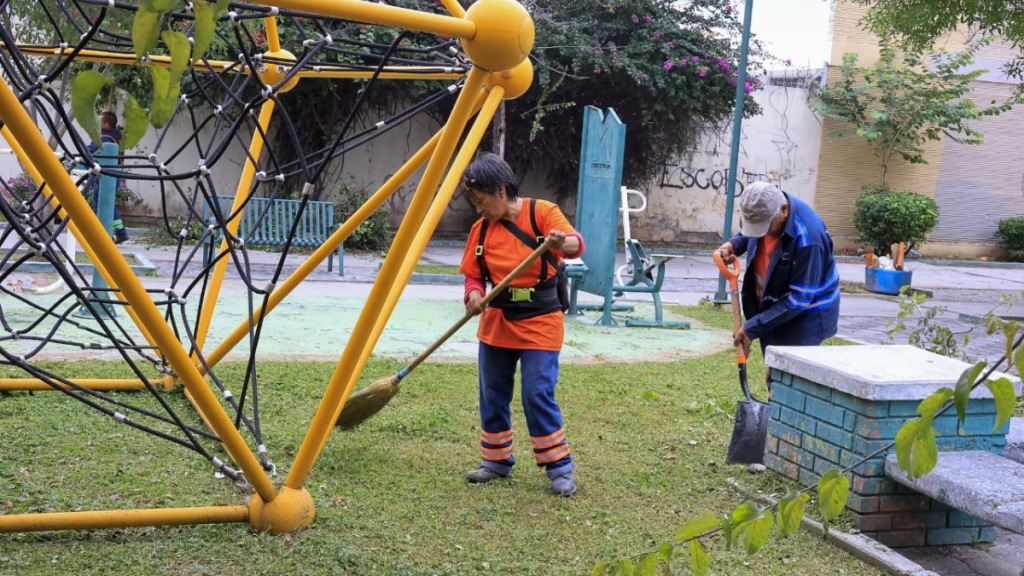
{"type": "Point", "coordinates": [480, 54]}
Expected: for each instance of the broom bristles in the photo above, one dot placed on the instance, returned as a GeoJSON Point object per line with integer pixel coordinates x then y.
{"type": "Point", "coordinates": [362, 405]}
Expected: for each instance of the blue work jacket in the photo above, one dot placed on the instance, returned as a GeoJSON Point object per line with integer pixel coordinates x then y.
{"type": "Point", "coordinates": [800, 304]}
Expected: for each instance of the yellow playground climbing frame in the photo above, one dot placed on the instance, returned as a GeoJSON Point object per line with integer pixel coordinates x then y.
{"type": "Point", "coordinates": [496, 36]}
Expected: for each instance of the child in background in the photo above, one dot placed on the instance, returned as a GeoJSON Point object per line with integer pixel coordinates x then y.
{"type": "Point", "coordinates": [108, 124]}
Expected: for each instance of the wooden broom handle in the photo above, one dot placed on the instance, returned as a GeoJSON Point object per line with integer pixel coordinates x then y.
{"type": "Point", "coordinates": [483, 303]}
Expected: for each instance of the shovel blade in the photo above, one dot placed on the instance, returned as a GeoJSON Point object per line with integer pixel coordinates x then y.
{"type": "Point", "coordinates": [749, 434]}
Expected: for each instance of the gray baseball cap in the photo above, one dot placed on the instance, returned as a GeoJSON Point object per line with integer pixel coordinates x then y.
{"type": "Point", "coordinates": [759, 203]}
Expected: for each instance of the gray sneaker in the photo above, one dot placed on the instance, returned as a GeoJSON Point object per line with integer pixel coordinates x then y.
{"type": "Point", "coordinates": [482, 475]}
{"type": "Point", "coordinates": [563, 485]}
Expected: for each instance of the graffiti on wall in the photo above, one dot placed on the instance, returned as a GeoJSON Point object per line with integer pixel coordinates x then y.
{"type": "Point", "coordinates": [691, 177]}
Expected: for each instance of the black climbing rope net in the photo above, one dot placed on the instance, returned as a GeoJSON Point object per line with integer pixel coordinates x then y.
{"type": "Point", "coordinates": [219, 104]}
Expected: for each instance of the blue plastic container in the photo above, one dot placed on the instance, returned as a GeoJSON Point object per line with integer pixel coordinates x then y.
{"type": "Point", "coordinates": [886, 281]}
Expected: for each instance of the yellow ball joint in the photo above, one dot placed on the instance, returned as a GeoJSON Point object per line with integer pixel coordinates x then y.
{"type": "Point", "coordinates": [515, 81]}
{"type": "Point", "coordinates": [504, 34]}
{"type": "Point", "coordinates": [274, 72]}
{"type": "Point", "coordinates": [290, 510]}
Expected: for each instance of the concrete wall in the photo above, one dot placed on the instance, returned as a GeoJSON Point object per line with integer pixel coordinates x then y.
{"type": "Point", "coordinates": [974, 186]}
{"type": "Point", "coordinates": [780, 146]}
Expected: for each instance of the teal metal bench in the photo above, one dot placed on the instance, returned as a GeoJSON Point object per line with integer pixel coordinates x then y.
{"type": "Point", "coordinates": [266, 222]}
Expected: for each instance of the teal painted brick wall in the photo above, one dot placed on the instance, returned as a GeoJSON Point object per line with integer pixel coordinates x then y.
{"type": "Point", "coordinates": [814, 429]}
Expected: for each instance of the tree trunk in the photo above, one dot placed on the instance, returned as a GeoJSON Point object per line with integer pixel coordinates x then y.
{"type": "Point", "coordinates": [498, 129]}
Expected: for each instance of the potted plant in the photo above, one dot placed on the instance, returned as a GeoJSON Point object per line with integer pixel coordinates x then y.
{"type": "Point", "coordinates": [884, 217]}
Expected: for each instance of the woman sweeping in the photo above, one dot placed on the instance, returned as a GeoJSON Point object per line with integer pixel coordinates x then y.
{"type": "Point", "coordinates": [523, 325]}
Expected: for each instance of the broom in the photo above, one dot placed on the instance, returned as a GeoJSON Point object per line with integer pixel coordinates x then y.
{"type": "Point", "coordinates": [362, 405]}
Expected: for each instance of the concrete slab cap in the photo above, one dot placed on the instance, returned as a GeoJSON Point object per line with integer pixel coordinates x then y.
{"type": "Point", "coordinates": [980, 483]}
{"type": "Point", "coordinates": [1015, 440]}
{"type": "Point", "coordinates": [876, 372]}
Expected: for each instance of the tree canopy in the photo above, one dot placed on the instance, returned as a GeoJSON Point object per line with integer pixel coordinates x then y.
{"type": "Point", "coordinates": [920, 22]}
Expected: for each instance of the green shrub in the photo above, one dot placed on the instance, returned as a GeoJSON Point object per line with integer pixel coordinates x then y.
{"type": "Point", "coordinates": [1011, 230]}
{"type": "Point", "coordinates": [373, 234]}
{"type": "Point", "coordinates": [884, 217]}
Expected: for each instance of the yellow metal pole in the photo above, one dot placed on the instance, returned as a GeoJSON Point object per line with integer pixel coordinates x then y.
{"type": "Point", "coordinates": [12, 384]}
{"type": "Point", "coordinates": [325, 250]}
{"type": "Point", "coordinates": [10, 523]}
{"type": "Point", "coordinates": [337, 391]}
{"type": "Point", "coordinates": [374, 13]}
{"type": "Point", "coordinates": [273, 39]}
{"type": "Point", "coordinates": [437, 209]}
{"type": "Point", "coordinates": [454, 8]}
{"type": "Point", "coordinates": [72, 229]}
{"type": "Point", "coordinates": [244, 185]}
{"type": "Point", "coordinates": [387, 73]}
{"type": "Point", "coordinates": [25, 132]}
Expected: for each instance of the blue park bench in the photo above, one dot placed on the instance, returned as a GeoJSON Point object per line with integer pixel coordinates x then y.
{"type": "Point", "coordinates": [266, 222]}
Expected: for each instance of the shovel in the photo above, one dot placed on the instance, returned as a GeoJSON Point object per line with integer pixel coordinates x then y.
{"type": "Point", "coordinates": [751, 430]}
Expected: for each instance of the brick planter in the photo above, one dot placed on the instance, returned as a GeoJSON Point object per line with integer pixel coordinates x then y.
{"type": "Point", "coordinates": [831, 406]}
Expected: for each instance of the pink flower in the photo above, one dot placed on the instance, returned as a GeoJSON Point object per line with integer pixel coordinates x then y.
{"type": "Point", "coordinates": [789, 63]}
{"type": "Point", "coordinates": [703, 73]}
{"type": "Point", "coordinates": [667, 65]}
{"type": "Point", "coordinates": [595, 21]}
{"type": "Point", "coordinates": [748, 88]}
{"type": "Point", "coordinates": [636, 20]}
{"type": "Point", "coordinates": [696, 59]}
{"type": "Point", "coordinates": [657, 34]}
{"type": "Point", "coordinates": [670, 44]}
{"type": "Point", "coordinates": [647, 17]}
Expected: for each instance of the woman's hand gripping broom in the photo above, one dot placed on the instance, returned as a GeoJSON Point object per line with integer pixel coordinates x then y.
{"type": "Point", "coordinates": [362, 405]}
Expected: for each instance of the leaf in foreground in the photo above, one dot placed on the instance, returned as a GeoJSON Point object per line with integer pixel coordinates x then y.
{"type": "Point", "coordinates": [696, 527]}
{"type": "Point", "coordinates": [1006, 400]}
{"type": "Point", "coordinates": [963, 388]}
{"type": "Point", "coordinates": [699, 558]}
{"type": "Point", "coordinates": [84, 90]}
{"type": "Point", "coordinates": [916, 450]}
{"type": "Point", "coordinates": [833, 491]}
{"type": "Point", "coordinates": [791, 512]}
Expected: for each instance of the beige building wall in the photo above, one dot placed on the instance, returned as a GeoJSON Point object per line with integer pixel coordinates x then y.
{"type": "Point", "coordinates": [974, 186]}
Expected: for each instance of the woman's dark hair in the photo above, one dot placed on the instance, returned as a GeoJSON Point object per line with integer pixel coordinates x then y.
{"type": "Point", "coordinates": [488, 173]}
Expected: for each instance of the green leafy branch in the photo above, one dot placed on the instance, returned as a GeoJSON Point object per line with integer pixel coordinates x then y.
{"type": "Point", "coordinates": [146, 36]}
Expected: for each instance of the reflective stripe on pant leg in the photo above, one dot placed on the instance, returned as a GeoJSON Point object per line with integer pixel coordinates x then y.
{"type": "Point", "coordinates": [497, 382]}
{"type": "Point", "coordinates": [543, 416]}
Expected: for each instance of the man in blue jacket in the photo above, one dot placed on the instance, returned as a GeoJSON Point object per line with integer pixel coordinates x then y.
{"type": "Point", "coordinates": [790, 290]}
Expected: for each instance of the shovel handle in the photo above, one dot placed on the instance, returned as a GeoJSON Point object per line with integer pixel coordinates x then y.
{"type": "Point", "coordinates": [733, 275]}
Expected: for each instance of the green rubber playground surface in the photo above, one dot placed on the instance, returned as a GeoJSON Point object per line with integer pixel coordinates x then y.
{"type": "Point", "coordinates": [318, 329]}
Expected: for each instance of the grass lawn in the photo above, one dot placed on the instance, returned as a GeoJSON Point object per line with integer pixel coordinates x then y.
{"type": "Point", "coordinates": [649, 440]}
{"type": "Point", "coordinates": [436, 269]}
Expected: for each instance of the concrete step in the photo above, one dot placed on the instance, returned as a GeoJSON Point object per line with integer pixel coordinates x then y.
{"type": "Point", "coordinates": [982, 484]}
{"type": "Point", "coordinates": [1015, 440]}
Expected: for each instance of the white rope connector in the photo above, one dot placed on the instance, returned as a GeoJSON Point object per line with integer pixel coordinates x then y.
{"type": "Point", "coordinates": [183, 234]}
{"type": "Point", "coordinates": [211, 227]}
{"type": "Point", "coordinates": [453, 88]}
{"type": "Point", "coordinates": [269, 288]}
{"type": "Point", "coordinates": [64, 45]}
{"type": "Point", "coordinates": [228, 395]}
{"type": "Point", "coordinates": [191, 40]}
{"type": "Point", "coordinates": [14, 334]}
{"type": "Point", "coordinates": [164, 168]}
{"type": "Point", "coordinates": [449, 70]}
{"type": "Point", "coordinates": [380, 125]}
{"type": "Point", "coordinates": [218, 110]}
{"type": "Point", "coordinates": [307, 189]}
{"type": "Point", "coordinates": [203, 170]}
{"type": "Point", "coordinates": [96, 168]}
{"type": "Point", "coordinates": [258, 57]}
{"type": "Point", "coordinates": [261, 449]}
{"type": "Point", "coordinates": [44, 84]}
{"type": "Point", "coordinates": [110, 4]}
{"type": "Point", "coordinates": [240, 242]}
{"type": "Point", "coordinates": [78, 160]}
{"type": "Point", "coordinates": [267, 92]}
{"type": "Point", "coordinates": [274, 10]}
{"type": "Point", "coordinates": [217, 463]}
{"type": "Point", "coordinates": [316, 69]}
{"type": "Point", "coordinates": [233, 16]}
{"type": "Point", "coordinates": [308, 43]}
{"type": "Point", "coordinates": [261, 176]}
{"type": "Point", "coordinates": [279, 177]}
{"type": "Point", "coordinates": [184, 99]}
{"type": "Point", "coordinates": [119, 417]}
{"type": "Point", "coordinates": [152, 158]}
{"type": "Point", "coordinates": [453, 50]}
{"type": "Point", "coordinates": [328, 39]}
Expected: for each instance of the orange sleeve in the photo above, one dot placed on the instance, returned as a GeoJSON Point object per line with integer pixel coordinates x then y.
{"type": "Point", "coordinates": [550, 217]}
